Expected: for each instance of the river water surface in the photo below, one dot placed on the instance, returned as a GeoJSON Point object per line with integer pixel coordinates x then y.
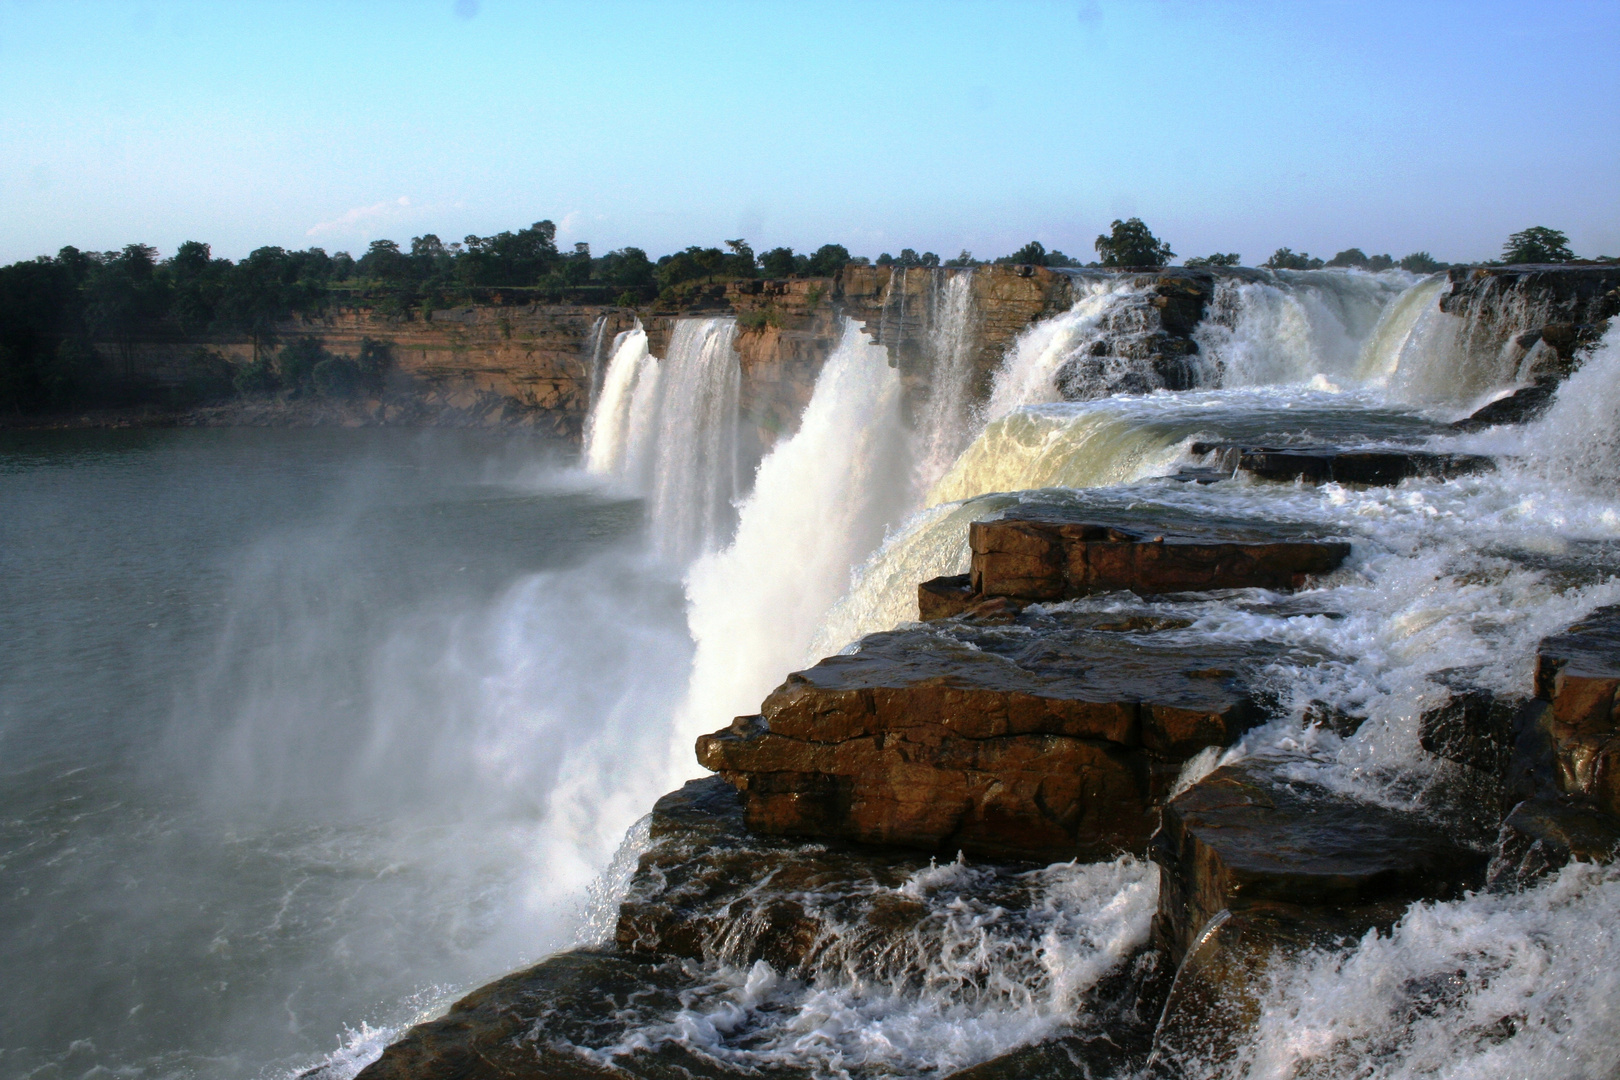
{"type": "Point", "coordinates": [282, 714]}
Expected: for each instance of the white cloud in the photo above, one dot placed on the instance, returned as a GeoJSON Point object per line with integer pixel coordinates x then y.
{"type": "Point", "coordinates": [352, 220]}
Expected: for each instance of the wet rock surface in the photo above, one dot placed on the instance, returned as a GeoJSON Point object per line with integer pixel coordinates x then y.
{"type": "Point", "coordinates": [1578, 673]}
{"type": "Point", "coordinates": [1249, 835]}
{"type": "Point", "coordinates": [1045, 735]}
{"type": "Point", "coordinates": [1036, 554]}
{"type": "Point", "coordinates": [1520, 407]}
{"type": "Point", "coordinates": [1380, 467]}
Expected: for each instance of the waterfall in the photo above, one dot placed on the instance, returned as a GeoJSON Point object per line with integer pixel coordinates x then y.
{"type": "Point", "coordinates": [593, 352]}
{"type": "Point", "coordinates": [608, 424]}
{"type": "Point", "coordinates": [668, 428]}
{"type": "Point", "coordinates": [821, 502]}
{"type": "Point", "coordinates": [945, 423]}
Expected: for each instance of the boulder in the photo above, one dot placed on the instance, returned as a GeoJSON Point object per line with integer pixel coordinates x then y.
{"type": "Point", "coordinates": [1245, 836]}
{"type": "Point", "coordinates": [1380, 467]}
{"type": "Point", "coordinates": [1577, 673]}
{"type": "Point", "coordinates": [1042, 735]}
{"type": "Point", "coordinates": [708, 889]}
{"type": "Point", "coordinates": [1215, 1000]}
{"type": "Point", "coordinates": [532, 1025]}
{"type": "Point", "coordinates": [1545, 833]}
{"type": "Point", "coordinates": [1039, 556]}
{"type": "Point", "coordinates": [1472, 728]}
{"type": "Point", "coordinates": [1520, 407]}
{"type": "Point", "coordinates": [943, 597]}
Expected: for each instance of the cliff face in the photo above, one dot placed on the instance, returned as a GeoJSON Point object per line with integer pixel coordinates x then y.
{"type": "Point", "coordinates": [534, 365]}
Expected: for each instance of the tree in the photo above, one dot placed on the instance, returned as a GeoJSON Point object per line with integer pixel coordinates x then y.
{"type": "Point", "coordinates": [1286, 259]}
{"type": "Point", "coordinates": [780, 262]}
{"type": "Point", "coordinates": [1033, 253]}
{"type": "Point", "coordinates": [1353, 257]}
{"type": "Point", "coordinates": [963, 259]}
{"type": "Point", "coordinates": [1229, 259]}
{"type": "Point", "coordinates": [1537, 244]}
{"type": "Point", "coordinates": [628, 269]}
{"type": "Point", "coordinates": [1130, 243]}
{"type": "Point", "coordinates": [298, 360]}
{"type": "Point", "coordinates": [828, 260]}
{"type": "Point", "coordinates": [1421, 262]}
{"type": "Point", "coordinates": [372, 365]}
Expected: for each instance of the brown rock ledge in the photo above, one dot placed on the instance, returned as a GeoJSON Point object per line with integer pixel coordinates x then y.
{"type": "Point", "coordinates": [1040, 736]}
{"type": "Point", "coordinates": [1034, 556]}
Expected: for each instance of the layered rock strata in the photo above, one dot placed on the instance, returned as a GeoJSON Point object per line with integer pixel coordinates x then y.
{"type": "Point", "coordinates": [1035, 555]}
{"type": "Point", "coordinates": [1042, 736]}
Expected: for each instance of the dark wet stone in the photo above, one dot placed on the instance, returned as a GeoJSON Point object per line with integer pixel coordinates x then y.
{"type": "Point", "coordinates": [1578, 673]}
{"type": "Point", "coordinates": [1473, 728]}
{"type": "Point", "coordinates": [1544, 834]}
{"type": "Point", "coordinates": [1520, 407]}
{"type": "Point", "coordinates": [1242, 836]}
{"type": "Point", "coordinates": [1382, 467]}
{"type": "Point", "coordinates": [1044, 737]}
{"type": "Point", "coordinates": [1215, 999]}
{"type": "Point", "coordinates": [1036, 555]}
{"type": "Point", "coordinates": [708, 889]}
{"type": "Point", "coordinates": [529, 1026]}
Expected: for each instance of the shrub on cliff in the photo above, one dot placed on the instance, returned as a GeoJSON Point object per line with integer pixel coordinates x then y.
{"type": "Point", "coordinates": [1537, 244]}
{"type": "Point", "coordinates": [1131, 243]}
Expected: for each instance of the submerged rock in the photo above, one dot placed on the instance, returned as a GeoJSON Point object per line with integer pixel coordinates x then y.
{"type": "Point", "coordinates": [1046, 735]}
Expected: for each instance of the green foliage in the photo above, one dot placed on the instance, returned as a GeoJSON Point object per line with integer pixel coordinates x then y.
{"type": "Point", "coordinates": [626, 299]}
{"type": "Point", "coordinates": [827, 260]}
{"type": "Point", "coordinates": [297, 362]}
{"type": "Point", "coordinates": [336, 377]}
{"type": "Point", "coordinates": [760, 318]}
{"type": "Point", "coordinates": [257, 376]}
{"type": "Point", "coordinates": [373, 363]}
{"type": "Point", "coordinates": [780, 262]}
{"type": "Point", "coordinates": [1131, 243]}
{"type": "Point", "coordinates": [1287, 259]}
{"type": "Point", "coordinates": [1421, 262]}
{"type": "Point", "coordinates": [1360, 260]}
{"type": "Point", "coordinates": [963, 260]}
{"type": "Point", "coordinates": [1217, 259]}
{"type": "Point", "coordinates": [1033, 253]}
{"type": "Point", "coordinates": [1537, 244]}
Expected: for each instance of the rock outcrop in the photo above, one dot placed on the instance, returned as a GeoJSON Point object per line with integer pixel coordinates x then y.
{"type": "Point", "coordinates": [1249, 834]}
{"type": "Point", "coordinates": [1042, 736]}
{"type": "Point", "coordinates": [1038, 555]}
{"type": "Point", "coordinates": [1375, 467]}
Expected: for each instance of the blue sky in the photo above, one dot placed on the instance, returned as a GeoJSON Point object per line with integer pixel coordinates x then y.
{"type": "Point", "coordinates": [880, 125]}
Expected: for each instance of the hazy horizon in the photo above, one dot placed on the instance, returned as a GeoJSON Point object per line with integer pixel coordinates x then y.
{"type": "Point", "coordinates": [938, 127]}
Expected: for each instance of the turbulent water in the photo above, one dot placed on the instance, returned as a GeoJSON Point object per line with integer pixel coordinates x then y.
{"type": "Point", "coordinates": [304, 735]}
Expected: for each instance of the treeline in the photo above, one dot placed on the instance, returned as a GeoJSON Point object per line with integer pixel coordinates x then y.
{"type": "Point", "coordinates": [54, 307]}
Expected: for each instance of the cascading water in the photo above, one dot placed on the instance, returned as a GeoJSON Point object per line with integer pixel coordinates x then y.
{"type": "Point", "coordinates": [945, 422]}
{"type": "Point", "coordinates": [821, 502]}
{"type": "Point", "coordinates": [668, 428]}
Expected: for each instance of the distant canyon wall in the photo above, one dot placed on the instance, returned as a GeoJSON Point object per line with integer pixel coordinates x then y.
{"type": "Point", "coordinates": [534, 365]}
